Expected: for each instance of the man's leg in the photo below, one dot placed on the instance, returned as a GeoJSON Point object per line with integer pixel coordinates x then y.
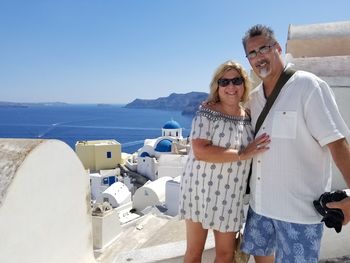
{"type": "Point", "coordinates": [259, 237]}
{"type": "Point", "coordinates": [298, 242]}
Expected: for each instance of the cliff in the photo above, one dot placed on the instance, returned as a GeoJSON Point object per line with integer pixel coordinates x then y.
{"type": "Point", "coordinates": [186, 103]}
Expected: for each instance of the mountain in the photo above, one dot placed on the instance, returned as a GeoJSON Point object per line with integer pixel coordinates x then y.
{"type": "Point", "coordinates": [186, 103]}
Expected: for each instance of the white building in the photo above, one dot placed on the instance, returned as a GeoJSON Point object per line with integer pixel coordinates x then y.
{"type": "Point", "coordinates": [158, 155]}
{"type": "Point", "coordinates": [172, 196]}
{"type": "Point", "coordinates": [100, 154]}
{"type": "Point", "coordinates": [116, 195]}
{"type": "Point", "coordinates": [150, 194]}
{"type": "Point", "coordinates": [99, 182]}
{"type": "Point", "coordinates": [171, 165]}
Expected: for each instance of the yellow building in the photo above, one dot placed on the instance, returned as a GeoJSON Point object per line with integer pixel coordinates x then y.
{"type": "Point", "coordinates": [99, 155]}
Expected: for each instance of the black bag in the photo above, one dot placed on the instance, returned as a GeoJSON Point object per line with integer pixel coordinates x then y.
{"type": "Point", "coordinates": [332, 217]}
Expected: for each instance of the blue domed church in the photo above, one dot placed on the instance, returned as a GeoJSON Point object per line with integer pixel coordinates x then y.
{"type": "Point", "coordinates": [172, 128]}
{"type": "Point", "coordinates": [156, 152]}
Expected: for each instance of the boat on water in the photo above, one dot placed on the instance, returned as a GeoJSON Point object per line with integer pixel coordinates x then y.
{"type": "Point", "coordinates": [57, 205]}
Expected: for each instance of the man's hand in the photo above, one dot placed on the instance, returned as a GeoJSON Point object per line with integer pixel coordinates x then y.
{"type": "Point", "coordinates": [344, 205]}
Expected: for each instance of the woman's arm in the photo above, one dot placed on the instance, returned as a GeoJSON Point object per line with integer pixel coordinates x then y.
{"type": "Point", "coordinates": [204, 150]}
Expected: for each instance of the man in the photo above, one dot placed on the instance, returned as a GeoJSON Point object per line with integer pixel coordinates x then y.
{"type": "Point", "coordinates": [306, 130]}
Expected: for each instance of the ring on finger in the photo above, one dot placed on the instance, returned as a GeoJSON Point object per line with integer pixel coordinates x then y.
{"type": "Point", "coordinates": [258, 146]}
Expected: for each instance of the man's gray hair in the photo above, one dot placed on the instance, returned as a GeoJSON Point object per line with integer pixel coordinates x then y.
{"type": "Point", "coordinates": [258, 30]}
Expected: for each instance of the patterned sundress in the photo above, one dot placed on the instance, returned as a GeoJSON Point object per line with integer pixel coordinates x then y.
{"type": "Point", "coordinates": [212, 193]}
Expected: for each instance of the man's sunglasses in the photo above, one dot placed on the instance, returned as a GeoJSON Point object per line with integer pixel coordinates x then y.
{"type": "Point", "coordinates": [235, 81]}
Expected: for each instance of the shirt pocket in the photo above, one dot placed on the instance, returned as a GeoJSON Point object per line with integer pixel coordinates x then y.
{"type": "Point", "coordinates": [284, 124]}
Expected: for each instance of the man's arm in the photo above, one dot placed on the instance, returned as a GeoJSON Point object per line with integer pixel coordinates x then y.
{"type": "Point", "coordinates": [340, 152]}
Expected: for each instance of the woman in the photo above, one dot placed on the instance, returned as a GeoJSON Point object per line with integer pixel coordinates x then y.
{"type": "Point", "coordinates": [215, 176]}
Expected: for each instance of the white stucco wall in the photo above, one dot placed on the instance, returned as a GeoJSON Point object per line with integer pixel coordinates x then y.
{"type": "Point", "coordinates": [319, 40]}
{"type": "Point", "coordinates": [171, 165]}
{"type": "Point", "coordinates": [150, 194]}
{"type": "Point", "coordinates": [147, 166]}
{"type": "Point", "coordinates": [45, 207]}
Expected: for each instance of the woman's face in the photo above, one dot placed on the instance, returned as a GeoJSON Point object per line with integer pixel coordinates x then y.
{"type": "Point", "coordinates": [231, 87]}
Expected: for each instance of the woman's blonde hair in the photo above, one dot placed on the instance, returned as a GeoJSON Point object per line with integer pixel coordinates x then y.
{"type": "Point", "coordinates": [219, 73]}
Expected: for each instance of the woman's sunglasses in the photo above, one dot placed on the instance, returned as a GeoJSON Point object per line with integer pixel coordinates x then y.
{"type": "Point", "coordinates": [235, 81]}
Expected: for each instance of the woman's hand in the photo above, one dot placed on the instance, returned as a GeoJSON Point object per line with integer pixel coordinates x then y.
{"type": "Point", "coordinates": [259, 145]}
{"type": "Point", "coordinates": [204, 150]}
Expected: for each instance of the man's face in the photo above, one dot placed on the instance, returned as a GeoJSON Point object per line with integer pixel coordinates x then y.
{"type": "Point", "coordinates": [262, 54]}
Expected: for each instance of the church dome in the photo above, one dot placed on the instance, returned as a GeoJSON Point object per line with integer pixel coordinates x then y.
{"type": "Point", "coordinates": [164, 146]}
{"type": "Point", "coordinates": [145, 154]}
{"type": "Point", "coordinates": [171, 125]}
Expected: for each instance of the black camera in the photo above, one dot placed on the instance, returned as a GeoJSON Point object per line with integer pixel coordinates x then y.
{"type": "Point", "coordinates": [332, 217]}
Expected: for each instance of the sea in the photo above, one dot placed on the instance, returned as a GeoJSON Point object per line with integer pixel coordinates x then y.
{"type": "Point", "coordinates": [71, 123]}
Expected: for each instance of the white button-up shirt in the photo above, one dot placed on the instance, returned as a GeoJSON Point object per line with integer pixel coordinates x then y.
{"type": "Point", "coordinates": [297, 168]}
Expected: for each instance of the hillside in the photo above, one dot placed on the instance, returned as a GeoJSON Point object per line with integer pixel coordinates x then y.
{"type": "Point", "coordinates": [186, 103]}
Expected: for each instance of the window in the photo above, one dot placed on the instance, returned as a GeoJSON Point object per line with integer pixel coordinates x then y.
{"type": "Point", "coordinates": [111, 180]}
{"type": "Point", "coordinates": [109, 155]}
{"type": "Point", "coordinates": [105, 181]}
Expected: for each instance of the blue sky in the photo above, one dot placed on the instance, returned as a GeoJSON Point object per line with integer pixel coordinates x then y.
{"type": "Point", "coordinates": [113, 51]}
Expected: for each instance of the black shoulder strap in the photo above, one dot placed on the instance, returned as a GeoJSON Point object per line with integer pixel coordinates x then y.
{"type": "Point", "coordinates": [285, 76]}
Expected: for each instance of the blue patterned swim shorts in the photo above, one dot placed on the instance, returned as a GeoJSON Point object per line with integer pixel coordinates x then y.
{"type": "Point", "coordinates": [290, 242]}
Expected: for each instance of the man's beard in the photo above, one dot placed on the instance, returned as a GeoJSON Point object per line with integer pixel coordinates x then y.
{"type": "Point", "coordinates": [264, 72]}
